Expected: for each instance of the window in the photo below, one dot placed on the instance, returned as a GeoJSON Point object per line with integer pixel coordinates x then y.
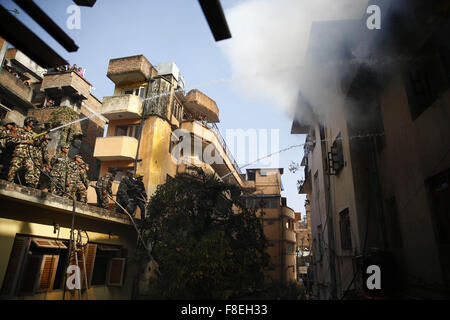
{"type": "Point", "coordinates": [35, 265]}
{"type": "Point", "coordinates": [141, 91]}
{"type": "Point", "coordinates": [109, 265]}
{"type": "Point", "coordinates": [177, 110]}
{"type": "Point", "coordinates": [263, 202]}
{"type": "Point", "coordinates": [336, 156]}
{"type": "Point", "coordinates": [251, 175]}
{"type": "Point", "coordinates": [426, 79]}
{"type": "Point", "coordinates": [39, 265]}
{"type": "Point", "coordinates": [344, 224]}
{"type": "Point", "coordinates": [128, 130]}
{"type": "Point", "coordinates": [173, 141]}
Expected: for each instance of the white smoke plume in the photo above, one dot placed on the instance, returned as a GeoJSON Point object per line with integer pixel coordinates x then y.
{"type": "Point", "coordinates": [269, 40]}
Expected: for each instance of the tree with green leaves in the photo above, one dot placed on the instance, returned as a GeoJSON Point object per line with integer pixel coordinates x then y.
{"type": "Point", "coordinates": [207, 243]}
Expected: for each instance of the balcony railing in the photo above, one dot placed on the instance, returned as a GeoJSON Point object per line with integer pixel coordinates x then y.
{"type": "Point", "coordinates": [212, 127]}
{"type": "Point", "coordinates": [221, 140]}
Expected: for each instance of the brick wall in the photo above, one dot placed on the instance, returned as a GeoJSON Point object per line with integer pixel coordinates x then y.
{"type": "Point", "coordinates": [67, 79]}
{"type": "Point", "coordinates": [15, 85]}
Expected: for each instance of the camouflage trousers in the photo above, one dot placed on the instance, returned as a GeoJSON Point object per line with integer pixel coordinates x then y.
{"type": "Point", "coordinates": [57, 185]}
{"type": "Point", "coordinates": [78, 191]}
{"type": "Point", "coordinates": [32, 173]}
{"type": "Point", "coordinates": [132, 206]}
{"type": "Point", "coordinates": [102, 200]}
{"type": "Point", "coordinates": [124, 201]}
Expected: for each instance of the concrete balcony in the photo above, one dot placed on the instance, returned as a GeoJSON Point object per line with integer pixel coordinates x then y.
{"type": "Point", "coordinates": [11, 86]}
{"type": "Point", "coordinates": [197, 102]}
{"type": "Point", "coordinates": [130, 70]}
{"type": "Point", "coordinates": [115, 148]}
{"type": "Point", "coordinates": [67, 83]}
{"type": "Point", "coordinates": [125, 106]}
{"type": "Point", "coordinates": [19, 59]}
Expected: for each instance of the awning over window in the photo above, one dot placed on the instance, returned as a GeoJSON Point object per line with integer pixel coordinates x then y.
{"type": "Point", "coordinates": [47, 243]}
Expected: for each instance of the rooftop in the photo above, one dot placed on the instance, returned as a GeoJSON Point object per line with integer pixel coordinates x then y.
{"type": "Point", "coordinates": [21, 203]}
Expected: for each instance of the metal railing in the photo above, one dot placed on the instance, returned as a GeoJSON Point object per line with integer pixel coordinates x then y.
{"type": "Point", "coordinates": [213, 127]}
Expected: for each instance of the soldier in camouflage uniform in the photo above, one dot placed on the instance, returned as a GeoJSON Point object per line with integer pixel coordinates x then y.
{"type": "Point", "coordinates": [23, 155]}
{"type": "Point", "coordinates": [84, 174]}
{"type": "Point", "coordinates": [40, 154]}
{"type": "Point", "coordinates": [139, 196]}
{"type": "Point", "coordinates": [77, 185]}
{"type": "Point", "coordinates": [59, 171]}
{"type": "Point", "coordinates": [103, 187]}
{"type": "Point", "coordinates": [9, 137]}
{"type": "Point", "coordinates": [125, 193]}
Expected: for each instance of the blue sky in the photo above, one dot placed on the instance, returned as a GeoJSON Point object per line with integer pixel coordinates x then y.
{"type": "Point", "coordinates": [174, 30]}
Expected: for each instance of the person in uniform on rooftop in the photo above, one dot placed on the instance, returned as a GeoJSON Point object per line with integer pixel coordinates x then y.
{"type": "Point", "coordinates": [77, 188]}
{"type": "Point", "coordinates": [103, 187]}
{"type": "Point", "coordinates": [9, 137]}
{"type": "Point", "coordinates": [41, 157]}
{"type": "Point", "coordinates": [125, 193]}
{"type": "Point", "coordinates": [139, 196]}
{"type": "Point", "coordinates": [23, 155]}
{"type": "Point", "coordinates": [59, 170]}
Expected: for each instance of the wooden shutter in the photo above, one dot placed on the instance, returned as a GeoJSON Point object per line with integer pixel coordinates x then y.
{"type": "Point", "coordinates": [47, 273]}
{"type": "Point", "coordinates": [90, 251]}
{"type": "Point", "coordinates": [31, 273]}
{"type": "Point", "coordinates": [15, 264]}
{"type": "Point", "coordinates": [116, 271]}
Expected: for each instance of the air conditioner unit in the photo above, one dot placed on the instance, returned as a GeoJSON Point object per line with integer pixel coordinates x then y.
{"type": "Point", "coordinates": [168, 68]}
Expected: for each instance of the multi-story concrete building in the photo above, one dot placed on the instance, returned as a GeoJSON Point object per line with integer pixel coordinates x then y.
{"type": "Point", "coordinates": [378, 162]}
{"type": "Point", "coordinates": [148, 113]}
{"type": "Point", "coordinates": [263, 189]}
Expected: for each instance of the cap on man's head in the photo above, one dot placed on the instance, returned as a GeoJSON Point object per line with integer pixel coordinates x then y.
{"type": "Point", "coordinates": [139, 175]}
{"type": "Point", "coordinates": [29, 119]}
{"type": "Point", "coordinates": [64, 146]}
{"type": "Point", "coordinates": [113, 169]}
{"type": "Point", "coordinates": [78, 156]}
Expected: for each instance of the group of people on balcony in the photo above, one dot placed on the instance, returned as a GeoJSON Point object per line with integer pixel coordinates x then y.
{"type": "Point", "coordinates": [195, 116]}
{"type": "Point", "coordinates": [24, 158]}
{"type": "Point", "coordinates": [73, 68]}
{"type": "Point", "coordinates": [17, 75]}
